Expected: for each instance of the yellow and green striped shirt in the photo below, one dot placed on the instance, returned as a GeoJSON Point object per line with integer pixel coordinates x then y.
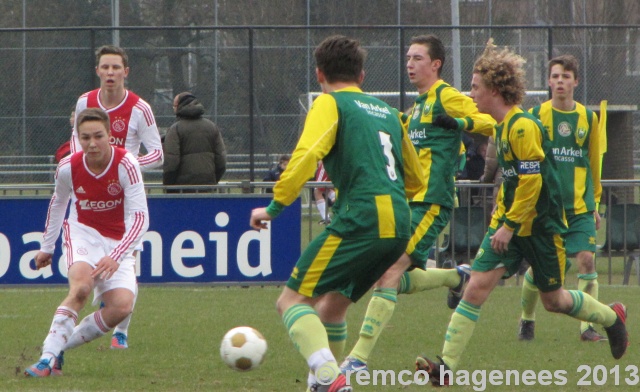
{"type": "Point", "coordinates": [575, 140]}
{"type": "Point", "coordinates": [369, 158]}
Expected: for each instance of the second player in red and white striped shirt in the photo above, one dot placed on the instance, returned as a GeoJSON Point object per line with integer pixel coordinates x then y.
{"type": "Point", "coordinates": [132, 120]}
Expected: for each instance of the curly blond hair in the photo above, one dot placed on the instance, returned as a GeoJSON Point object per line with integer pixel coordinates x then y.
{"type": "Point", "coordinates": [502, 70]}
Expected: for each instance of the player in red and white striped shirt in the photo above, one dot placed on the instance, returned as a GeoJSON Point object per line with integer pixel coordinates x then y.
{"type": "Point", "coordinates": [131, 118]}
{"type": "Point", "coordinates": [132, 123]}
{"type": "Point", "coordinates": [107, 219]}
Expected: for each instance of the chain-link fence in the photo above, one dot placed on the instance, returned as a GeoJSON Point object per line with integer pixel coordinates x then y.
{"type": "Point", "coordinates": [255, 81]}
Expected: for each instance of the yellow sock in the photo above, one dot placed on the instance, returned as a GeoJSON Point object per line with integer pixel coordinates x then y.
{"type": "Point", "coordinates": [586, 308]}
{"type": "Point", "coordinates": [305, 329]}
{"type": "Point", "coordinates": [463, 322]}
{"type": "Point", "coordinates": [337, 334]}
{"type": "Point", "coordinates": [529, 297]}
{"type": "Point", "coordinates": [379, 312]}
{"type": "Point", "coordinates": [418, 280]}
{"type": "Point", "coordinates": [588, 283]}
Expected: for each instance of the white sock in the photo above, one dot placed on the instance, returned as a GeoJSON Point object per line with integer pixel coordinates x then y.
{"type": "Point", "coordinates": [90, 328]}
{"type": "Point", "coordinates": [61, 329]}
{"type": "Point", "coordinates": [123, 327]}
{"type": "Point", "coordinates": [319, 358]}
{"type": "Point", "coordinates": [311, 380]}
{"type": "Point", "coordinates": [322, 208]}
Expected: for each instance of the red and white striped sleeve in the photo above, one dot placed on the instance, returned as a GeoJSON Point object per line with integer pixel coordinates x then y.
{"type": "Point", "coordinates": [149, 136]}
{"type": "Point", "coordinates": [80, 106]}
{"type": "Point", "coordinates": [136, 212]}
{"type": "Point", "coordinates": [58, 205]}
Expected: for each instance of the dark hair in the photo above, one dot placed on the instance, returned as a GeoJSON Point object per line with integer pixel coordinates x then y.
{"type": "Point", "coordinates": [94, 114]}
{"type": "Point", "coordinates": [568, 62]}
{"type": "Point", "coordinates": [340, 59]}
{"type": "Point", "coordinates": [435, 47]}
{"type": "Point", "coordinates": [284, 158]}
{"type": "Point", "coordinates": [111, 49]}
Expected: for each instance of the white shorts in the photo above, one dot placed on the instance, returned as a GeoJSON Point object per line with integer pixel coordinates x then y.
{"type": "Point", "coordinates": [85, 244]}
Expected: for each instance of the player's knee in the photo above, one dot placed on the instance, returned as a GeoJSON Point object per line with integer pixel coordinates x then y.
{"type": "Point", "coordinates": [554, 305]}
{"type": "Point", "coordinates": [125, 309]}
{"type": "Point", "coordinates": [391, 278]}
{"type": "Point", "coordinates": [115, 316]}
{"type": "Point", "coordinates": [586, 264]}
{"type": "Point", "coordinates": [81, 292]}
{"type": "Point", "coordinates": [281, 305]}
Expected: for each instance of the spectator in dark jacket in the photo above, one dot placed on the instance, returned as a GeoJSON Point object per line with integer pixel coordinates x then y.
{"type": "Point", "coordinates": [276, 171]}
{"type": "Point", "coordinates": [476, 162]}
{"type": "Point", "coordinates": [194, 153]}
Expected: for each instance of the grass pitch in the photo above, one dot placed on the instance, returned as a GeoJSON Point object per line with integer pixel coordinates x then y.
{"type": "Point", "coordinates": [176, 331]}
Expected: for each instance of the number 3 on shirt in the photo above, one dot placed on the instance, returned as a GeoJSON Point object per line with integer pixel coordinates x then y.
{"type": "Point", "coordinates": [385, 140]}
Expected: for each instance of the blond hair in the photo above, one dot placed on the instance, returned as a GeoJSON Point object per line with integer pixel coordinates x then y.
{"type": "Point", "coordinates": [94, 114]}
{"type": "Point", "coordinates": [503, 71]}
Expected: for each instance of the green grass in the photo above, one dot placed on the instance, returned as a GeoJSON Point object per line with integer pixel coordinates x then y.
{"type": "Point", "coordinates": [176, 331]}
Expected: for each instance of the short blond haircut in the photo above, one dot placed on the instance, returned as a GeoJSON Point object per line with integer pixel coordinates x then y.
{"type": "Point", "coordinates": [94, 114]}
{"type": "Point", "coordinates": [503, 71]}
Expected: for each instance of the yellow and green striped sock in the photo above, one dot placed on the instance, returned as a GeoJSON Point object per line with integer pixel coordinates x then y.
{"type": "Point", "coordinates": [337, 334]}
{"type": "Point", "coordinates": [418, 280]}
{"type": "Point", "coordinates": [588, 283]}
{"type": "Point", "coordinates": [463, 322]}
{"type": "Point", "coordinates": [529, 297]}
{"type": "Point", "coordinates": [379, 312]}
{"type": "Point", "coordinates": [305, 329]}
{"type": "Point", "coordinates": [586, 308]}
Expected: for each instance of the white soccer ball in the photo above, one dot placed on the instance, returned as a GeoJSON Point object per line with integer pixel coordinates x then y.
{"type": "Point", "coordinates": [243, 348]}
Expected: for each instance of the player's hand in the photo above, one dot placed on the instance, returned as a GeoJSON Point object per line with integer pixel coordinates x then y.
{"type": "Point", "coordinates": [258, 218]}
{"type": "Point", "coordinates": [500, 240]}
{"type": "Point", "coordinates": [105, 268]}
{"type": "Point", "coordinates": [445, 121]}
{"type": "Point", "coordinates": [43, 259]}
{"type": "Point", "coordinates": [596, 215]}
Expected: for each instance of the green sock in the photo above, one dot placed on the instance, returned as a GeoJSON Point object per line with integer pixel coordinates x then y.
{"type": "Point", "coordinates": [463, 321]}
{"type": "Point", "coordinates": [529, 297]}
{"type": "Point", "coordinates": [379, 312]}
{"type": "Point", "coordinates": [337, 334]}
{"type": "Point", "coordinates": [586, 308]}
{"type": "Point", "coordinates": [405, 284]}
{"type": "Point", "coordinates": [588, 283]}
{"type": "Point", "coordinates": [418, 280]}
{"type": "Point", "coordinates": [305, 329]}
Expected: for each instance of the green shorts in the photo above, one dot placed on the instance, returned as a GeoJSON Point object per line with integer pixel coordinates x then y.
{"type": "Point", "coordinates": [581, 235]}
{"type": "Point", "coordinates": [544, 252]}
{"type": "Point", "coordinates": [427, 222]}
{"type": "Point", "coordinates": [349, 266]}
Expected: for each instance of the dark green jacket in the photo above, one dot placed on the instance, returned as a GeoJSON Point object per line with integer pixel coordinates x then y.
{"type": "Point", "coordinates": [194, 152]}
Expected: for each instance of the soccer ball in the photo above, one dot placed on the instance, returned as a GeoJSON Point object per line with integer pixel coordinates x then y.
{"type": "Point", "coordinates": [243, 348]}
